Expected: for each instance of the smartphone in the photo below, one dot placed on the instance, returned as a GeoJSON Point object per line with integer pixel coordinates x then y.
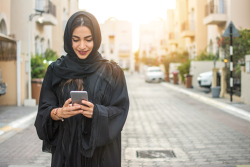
{"type": "Point", "coordinates": [78, 96]}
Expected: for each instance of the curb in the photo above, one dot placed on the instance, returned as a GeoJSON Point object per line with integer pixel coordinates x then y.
{"type": "Point", "coordinates": [224, 107]}
{"type": "Point", "coordinates": [19, 124]}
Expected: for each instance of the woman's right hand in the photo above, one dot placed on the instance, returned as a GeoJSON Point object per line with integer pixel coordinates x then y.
{"type": "Point", "coordinates": [68, 110]}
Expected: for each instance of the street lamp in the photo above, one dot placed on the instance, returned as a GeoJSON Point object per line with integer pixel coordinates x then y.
{"type": "Point", "coordinates": [29, 101]}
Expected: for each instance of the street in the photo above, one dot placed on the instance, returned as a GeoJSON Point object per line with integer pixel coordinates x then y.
{"type": "Point", "coordinates": [164, 128]}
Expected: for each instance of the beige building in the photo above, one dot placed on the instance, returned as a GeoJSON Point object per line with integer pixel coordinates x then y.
{"type": "Point", "coordinates": [152, 39]}
{"type": "Point", "coordinates": [64, 9]}
{"type": "Point", "coordinates": [117, 42]}
{"type": "Point", "coordinates": [19, 22]}
{"type": "Point", "coordinates": [185, 28]}
{"type": "Point", "coordinates": [9, 57]}
{"type": "Point", "coordinates": [219, 13]}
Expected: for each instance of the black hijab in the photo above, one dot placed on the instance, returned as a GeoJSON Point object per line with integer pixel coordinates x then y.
{"type": "Point", "coordinates": [71, 66]}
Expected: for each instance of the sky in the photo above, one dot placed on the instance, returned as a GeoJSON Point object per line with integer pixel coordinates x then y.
{"type": "Point", "coordinates": [135, 11]}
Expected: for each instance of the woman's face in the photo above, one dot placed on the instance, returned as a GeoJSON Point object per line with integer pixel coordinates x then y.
{"type": "Point", "coordinates": [82, 41]}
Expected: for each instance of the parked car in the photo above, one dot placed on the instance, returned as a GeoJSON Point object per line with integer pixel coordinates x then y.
{"type": "Point", "coordinates": [205, 79]}
{"type": "Point", "coordinates": [3, 85]}
{"type": "Point", "coordinates": [154, 74]}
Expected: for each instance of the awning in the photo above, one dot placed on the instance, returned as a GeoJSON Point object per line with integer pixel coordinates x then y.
{"type": "Point", "coordinates": [6, 38]}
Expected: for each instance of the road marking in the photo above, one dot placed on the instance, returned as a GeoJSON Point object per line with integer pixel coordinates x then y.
{"type": "Point", "coordinates": [18, 124]}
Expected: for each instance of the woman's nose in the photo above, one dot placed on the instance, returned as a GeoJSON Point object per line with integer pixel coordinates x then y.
{"type": "Point", "coordinates": [82, 45]}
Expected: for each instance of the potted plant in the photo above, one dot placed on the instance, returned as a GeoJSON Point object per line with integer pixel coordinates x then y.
{"type": "Point", "coordinates": [39, 64]}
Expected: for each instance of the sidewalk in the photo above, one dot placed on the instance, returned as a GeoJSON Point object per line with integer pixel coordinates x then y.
{"type": "Point", "coordinates": [235, 107]}
{"type": "Point", "coordinates": [14, 119]}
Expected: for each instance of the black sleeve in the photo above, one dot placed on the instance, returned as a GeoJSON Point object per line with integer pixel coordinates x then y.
{"type": "Point", "coordinates": [47, 129]}
{"type": "Point", "coordinates": [108, 121]}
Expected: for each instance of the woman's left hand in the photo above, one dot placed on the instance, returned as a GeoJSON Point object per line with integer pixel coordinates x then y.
{"type": "Point", "coordinates": [88, 109]}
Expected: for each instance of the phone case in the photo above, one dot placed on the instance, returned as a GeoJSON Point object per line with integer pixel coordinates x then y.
{"type": "Point", "coordinates": [78, 96]}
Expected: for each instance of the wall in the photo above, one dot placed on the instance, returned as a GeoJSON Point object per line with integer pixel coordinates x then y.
{"type": "Point", "coordinates": [10, 98]}
{"type": "Point", "coordinates": [5, 13]}
{"type": "Point", "coordinates": [245, 82]}
{"type": "Point", "coordinates": [173, 67]}
{"type": "Point", "coordinates": [198, 67]}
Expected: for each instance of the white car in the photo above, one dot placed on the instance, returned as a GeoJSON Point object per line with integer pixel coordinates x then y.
{"type": "Point", "coordinates": [205, 79]}
{"type": "Point", "coordinates": [154, 74]}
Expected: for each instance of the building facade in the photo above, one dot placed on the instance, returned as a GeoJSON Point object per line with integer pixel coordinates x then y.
{"type": "Point", "coordinates": [186, 31]}
{"type": "Point", "coordinates": [218, 15]}
{"type": "Point", "coordinates": [152, 40]}
{"type": "Point", "coordinates": [117, 42]}
{"type": "Point", "coordinates": [64, 9]}
{"type": "Point", "coordinates": [24, 28]}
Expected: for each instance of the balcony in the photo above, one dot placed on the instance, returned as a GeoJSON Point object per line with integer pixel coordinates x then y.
{"type": "Point", "coordinates": [215, 13]}
{"type": "Point", "coordinates": [187, 29]}
{"type": "Point", "coordinates": [124, 53]}
{"type": "Point", "coordinates": [172, 39]}
{"type": "Point", "coordinates": [49, 15]}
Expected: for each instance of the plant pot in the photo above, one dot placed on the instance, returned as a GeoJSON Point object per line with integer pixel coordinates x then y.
{"type": "Point", "coordinates": [188, 80]}
{"type": "Point", "coordinates": [215, 92]}
{"type": "Point", "coordinates": [175, 78]}
{"type": "Point", "coordinates": [167, 77]}
{"type": "Point", "coordinates": [36, 85]}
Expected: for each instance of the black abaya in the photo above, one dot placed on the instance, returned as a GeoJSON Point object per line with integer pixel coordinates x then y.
{"type": "Point", "coordinates": [81, 141]}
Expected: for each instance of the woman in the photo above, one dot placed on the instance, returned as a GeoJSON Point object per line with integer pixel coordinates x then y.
{"type": "Point", "coordinates": [90, 134]}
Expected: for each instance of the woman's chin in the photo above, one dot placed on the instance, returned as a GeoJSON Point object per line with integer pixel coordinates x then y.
{"type": "Point", "coordinates": [82, 56]}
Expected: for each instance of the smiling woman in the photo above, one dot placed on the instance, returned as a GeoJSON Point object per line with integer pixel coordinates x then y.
{"type": "Point", "coordinates": [86, 134]}
{"type": "Point", "coordinates": [82, 40]}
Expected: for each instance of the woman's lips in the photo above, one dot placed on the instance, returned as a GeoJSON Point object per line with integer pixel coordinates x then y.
{"type": "Point", "coordinates": [82, 52]}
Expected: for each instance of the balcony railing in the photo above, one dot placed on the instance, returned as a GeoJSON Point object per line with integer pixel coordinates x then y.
{"type": "Point", "coordinates": [47, 6]}
{"type": "Point", "coordinates": [215, 7]}
{"type": "Point", "coordinates": [187, 26]}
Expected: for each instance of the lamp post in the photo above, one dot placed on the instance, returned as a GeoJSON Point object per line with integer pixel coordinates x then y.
{"type": "Point", "coordinates": [30, 101]}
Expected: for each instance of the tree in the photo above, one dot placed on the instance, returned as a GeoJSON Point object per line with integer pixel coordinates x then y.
{"type": "Point", "coordinates": [241, 47]}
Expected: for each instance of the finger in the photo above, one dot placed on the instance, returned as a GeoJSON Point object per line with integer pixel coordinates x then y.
{"type": "Point", "coordinates": [67, 102]}
{"type": "Point", "coordinates": [84, 108]}
{"type": "Point", "coordinates": [74, 107]}
{"type": "Point", "coordinates": [87, 114]}
{"type": "Point", "coordinates": [71, 113]}
{"type": "Point", "coordinates": [87, 103]}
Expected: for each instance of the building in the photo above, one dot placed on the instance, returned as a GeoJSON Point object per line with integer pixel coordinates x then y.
{"type": "Point", "coordinates": [34, 25]}
{"type": "Point", "coordinates": [152, 40]}
{"type": "Point", "coordinates": [64, 9]}
{"type": "Point", "coordinates": [219, 13]}
{"type": "Point", "coordinates": [186, 31]}
{"type": "Point", "coordinates": [9, 62]}
{"type": "Point", "coordinates": [117, 42]}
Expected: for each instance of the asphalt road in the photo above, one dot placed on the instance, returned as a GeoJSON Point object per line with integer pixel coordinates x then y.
{"type": "Point", "coordinates": [163, 128]}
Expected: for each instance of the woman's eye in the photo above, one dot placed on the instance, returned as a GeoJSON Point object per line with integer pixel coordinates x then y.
{"type": "Point", "coordinates": [89, 40]}
{"type": "Point", "coordinates": [75, 40]}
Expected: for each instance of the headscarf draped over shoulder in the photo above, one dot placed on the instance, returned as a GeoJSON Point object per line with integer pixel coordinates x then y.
{"type": "Point", "coordinates": [71, 66]}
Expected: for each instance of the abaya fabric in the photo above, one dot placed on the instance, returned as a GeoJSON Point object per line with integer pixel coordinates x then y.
{"type": "Point", "coordinates": [80, 141]}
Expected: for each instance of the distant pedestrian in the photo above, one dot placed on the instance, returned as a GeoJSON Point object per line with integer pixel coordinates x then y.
{"type": "Point", "coordinates": [79, 135]}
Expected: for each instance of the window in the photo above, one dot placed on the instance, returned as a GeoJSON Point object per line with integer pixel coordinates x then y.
{"type": "Point", "coordinates": [37, 45]}
{"type": "Point", "coordinates": [48, 45]}
{"type": "Point", "coordinates": [64, 19]}
{"type": "Point", "coordinates": [42, 47]}
{"type": "Point", "coordinates": [210, 46]}
{"type": "Point", "coordinates": [3, 27]}
{"type": "Point", "coordinates": [111, 43]}
{"type": "Point", "coordinates": [248, 66]}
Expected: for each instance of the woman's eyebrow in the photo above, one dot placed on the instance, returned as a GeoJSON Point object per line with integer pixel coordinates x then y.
{"type": "Point", "coordinates": [88, 36]}
{"type": "Point", "coordinates": [79, 37]}
{"type": "Point", "coordinates": [75, 36]}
